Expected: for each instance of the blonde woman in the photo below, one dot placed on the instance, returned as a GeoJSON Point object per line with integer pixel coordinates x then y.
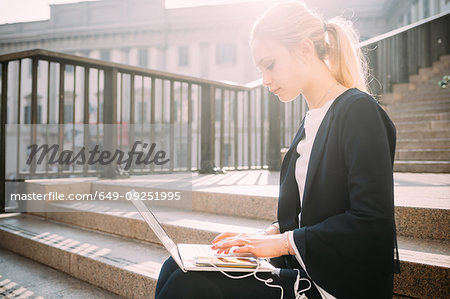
{"type": "Point", "coordinates": [335, 223]}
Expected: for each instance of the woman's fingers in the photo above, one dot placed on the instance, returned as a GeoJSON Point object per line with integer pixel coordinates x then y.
{"type": "Point", "coordinates": [230, 235]}
{"type": "Point", "coordinates": [230, 242]}
{"type": "Point", "coordinates": [223, 236]}
{"type": "Point", "coordinates": [260, 246]}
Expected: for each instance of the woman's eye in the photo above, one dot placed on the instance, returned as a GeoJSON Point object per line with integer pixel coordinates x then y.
{"type": "Point", "coordinates": [270, 67]}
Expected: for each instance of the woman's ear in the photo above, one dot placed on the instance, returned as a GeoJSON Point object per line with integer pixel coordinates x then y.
{"type": "Point", "coordinates": [305, 50]}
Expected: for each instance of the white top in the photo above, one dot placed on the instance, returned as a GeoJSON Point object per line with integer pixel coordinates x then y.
{"type": "Point", "coordinates": [313, 119]}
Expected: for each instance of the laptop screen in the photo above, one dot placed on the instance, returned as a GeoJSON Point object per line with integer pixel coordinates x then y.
{"type": "Point", "coordinates": [159, 231]}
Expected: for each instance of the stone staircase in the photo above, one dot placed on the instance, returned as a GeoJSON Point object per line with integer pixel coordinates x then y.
{"type": "Point", "coordinates": [420, 110]}
{"type": "Point", "coordinates": [107, 244]}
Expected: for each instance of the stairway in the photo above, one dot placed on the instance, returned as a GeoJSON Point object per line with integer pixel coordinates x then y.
{"type": "Point", "coordinates": [107, 244]}
{"type": "Point", "coordinates": [420, 110]}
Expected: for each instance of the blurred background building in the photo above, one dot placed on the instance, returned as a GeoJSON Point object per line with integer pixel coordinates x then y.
{"type": "Point", "coordinates": [208, 41]}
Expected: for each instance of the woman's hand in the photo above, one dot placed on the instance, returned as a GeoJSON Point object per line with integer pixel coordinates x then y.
{"type": "Point", "coordinates": [226, 235]}
{"type": "Point", "coordinates": [258, 245]}
{"type": "Point", "coordinates": [271, 230]}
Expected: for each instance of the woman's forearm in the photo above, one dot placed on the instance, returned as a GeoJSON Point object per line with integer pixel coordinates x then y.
{"type": "Point", "coordinates": [273, 229]}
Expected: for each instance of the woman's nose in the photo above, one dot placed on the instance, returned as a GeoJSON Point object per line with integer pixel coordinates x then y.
{"type": "Point", "coordinates": [266, 80]}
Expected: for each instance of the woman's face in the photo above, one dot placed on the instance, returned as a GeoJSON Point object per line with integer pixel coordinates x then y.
{"type": "Point", "coordinates": [282, 72]}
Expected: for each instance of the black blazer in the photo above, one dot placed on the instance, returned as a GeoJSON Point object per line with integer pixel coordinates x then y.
{"type": "Point", "coordinates": [347, 231]}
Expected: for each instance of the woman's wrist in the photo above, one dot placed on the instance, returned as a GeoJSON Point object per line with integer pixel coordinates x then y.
{"type": "Point", "coordinates": [271, 230]}
{"type": "Point", "coordinates": [287, 248]}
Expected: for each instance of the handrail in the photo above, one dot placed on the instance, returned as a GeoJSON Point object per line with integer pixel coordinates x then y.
{"type": "Point", "coordinates": [402, 29]}
{"type": "Point", "coordinates": [123, 68]}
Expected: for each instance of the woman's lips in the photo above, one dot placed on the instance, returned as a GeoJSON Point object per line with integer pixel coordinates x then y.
{"type": "Point", "coordinates": [276, 91]}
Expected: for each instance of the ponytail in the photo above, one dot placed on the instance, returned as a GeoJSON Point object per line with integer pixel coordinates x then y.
{"type": "Point", "coordinates": [345, 60]}
{"type": "Point", "coordinates": [335, 41]}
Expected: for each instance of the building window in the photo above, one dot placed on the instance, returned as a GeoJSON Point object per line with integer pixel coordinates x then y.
{"type": "Point", "coordinates": [225, 54]}
{"type": "Point", "coordinates": [143, 57]}
{"type": "Point", "coordinates": [105, 55]}
{"type": "Point", "coordinates": [183, 55]}
{"type": "Point", "coordinates": [69, 68]}
{"type": "Point", "coordinates": [85, 53]}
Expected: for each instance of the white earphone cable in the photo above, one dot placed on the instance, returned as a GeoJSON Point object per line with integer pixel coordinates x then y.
{"type": "Point", "coordinates": [299, 294]}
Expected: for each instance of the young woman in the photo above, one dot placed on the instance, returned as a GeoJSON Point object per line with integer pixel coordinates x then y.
{"type": "Point", "coordinates": [336, 208]}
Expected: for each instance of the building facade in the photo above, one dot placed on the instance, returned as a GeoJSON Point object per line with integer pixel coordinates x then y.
{"type": "Point", "coordinates": [207, 41]}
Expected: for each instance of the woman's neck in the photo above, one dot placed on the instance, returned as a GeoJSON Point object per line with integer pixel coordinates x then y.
{"type": "Point", "coordinates": [323, 87]}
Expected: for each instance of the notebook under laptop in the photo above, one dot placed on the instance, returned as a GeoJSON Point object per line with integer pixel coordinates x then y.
{"type": "Point", "coordinates": [185, 254]}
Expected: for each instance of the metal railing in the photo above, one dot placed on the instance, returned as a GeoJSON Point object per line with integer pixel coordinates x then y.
{"type": "Point", "coordinates": [397, 54]}
{"type": "Point", "coordinates": [217, 124]}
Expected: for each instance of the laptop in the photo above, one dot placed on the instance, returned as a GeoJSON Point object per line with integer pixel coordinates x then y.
{"type": "Point", "coordinates": [187, 256]}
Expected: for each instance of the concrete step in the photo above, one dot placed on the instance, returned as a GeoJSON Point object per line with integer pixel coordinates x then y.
{"type": "Point", "coordinates": [439, 108]}
{"type": "Point", "coordinates": [129, 268]}
{"type": "Point", "coordinates": [122, 266]}
{"type": "Point", "coordinates": [24, 278]}
{"type": "Point", "coordinates": [222, 212]}
{"type": "Point", "coordinates": [424, 124]}
{"type": "Point", "coordinates": [414, 96]}
{"type": "Point", "coordinates": [433, 71]}
{"type": "Point", "coordinates": [210, 192]}
{"type": "Point", "coordinates": [441, 104]}
{"type": "Point", "coordinates": [430, 143]}
{"type": "Point", "coordinates": [422, 166]}
{"type": "Point", "coordinates": [430, 86]}
{"type": "Point", "coordinates": [422, 134]}
{"type": "Point", "coordinates": [444, 58]}
{"type": "Point", "coordinates": [120, 218]}
{"type": "Point", "coordinates": [418, 80]}
{"type": "Point", "coordinates": [443, 65]}
{"type": "Point", "coordinates": [423, 154]}
{"type": "Point", "coordinates": [436, 94]}
{"type": "Point", "coordinates": [399, 117]}
{"type": "Point", "coordinates": [425, 268]}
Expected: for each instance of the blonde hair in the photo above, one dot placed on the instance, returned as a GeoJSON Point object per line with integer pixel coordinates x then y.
{"type": "Point", "coordinates": [335, 41]}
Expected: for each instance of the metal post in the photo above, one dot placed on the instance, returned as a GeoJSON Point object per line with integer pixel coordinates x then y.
{"type": "Point", "coordinates": [34, 109]}
{"type": "Point", "coordinates": [61, 120]}
{"type": "Point", "coordinates": [207, 124]}
{"type": "Point", "coordinates": [189, 135]}
{"type": "Point", "coordinates": [172, 124]}
{"type": "Point", "coordinates": [86, 128]}
{"type": "Point", "coordinates": [3, 105]}
{"type": "Point", "coordinates": [274, 133]}
{"type": "Point", "coordinates": [249, 130]}
{"type": "Point", "coordinates": [131, 123]}
{"type": "Point", "coordinates": [109, 117]}
{"type": "Point", "coordinates": [403, 74]}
